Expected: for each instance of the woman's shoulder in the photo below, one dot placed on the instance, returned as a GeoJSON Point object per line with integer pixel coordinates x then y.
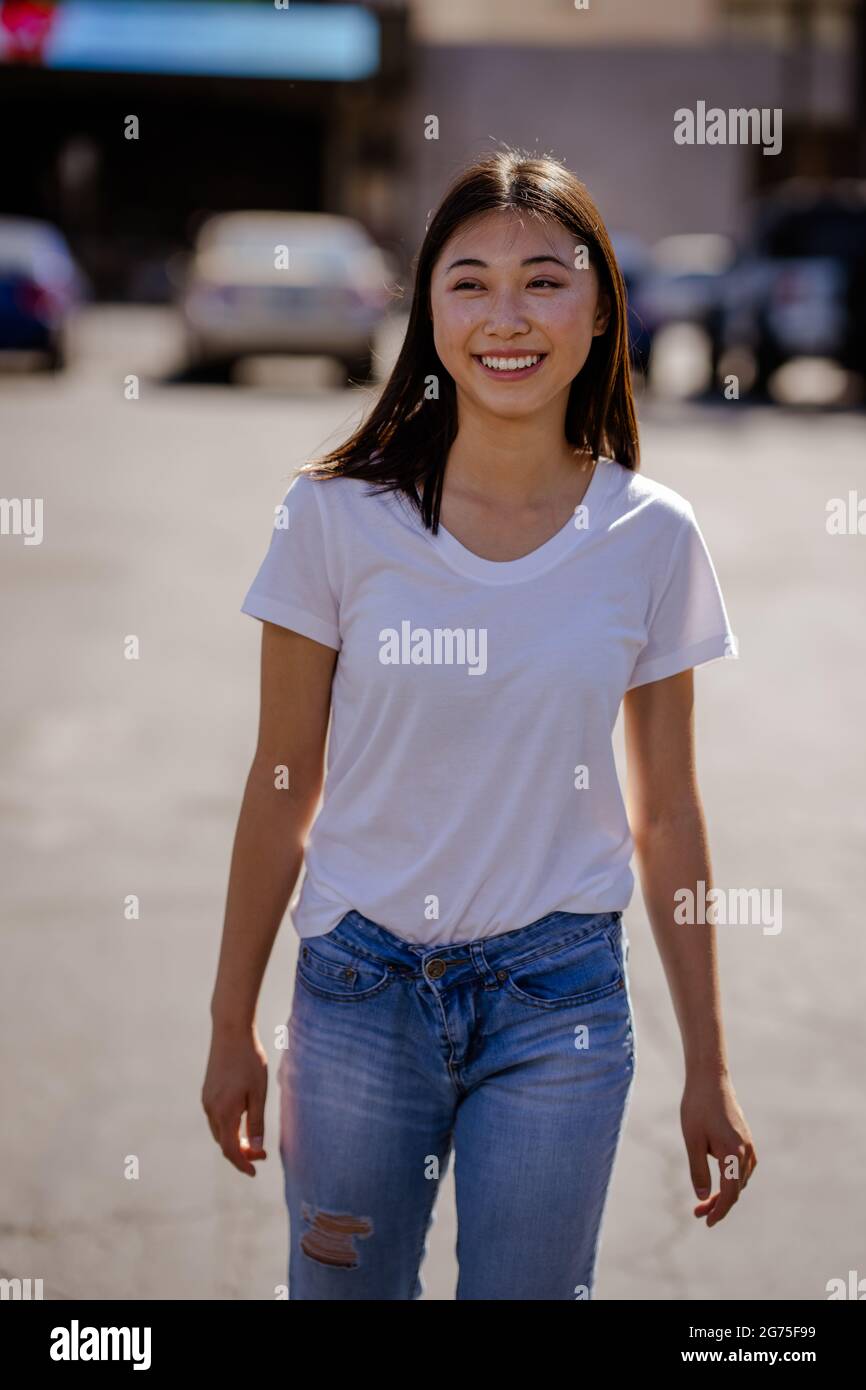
{"type": "Point", "coordinates": [329, 494]}
{"type": "Point", "coordinates": [344, 505]}
{"type": "Point", "coordinates": [635, 492]}
{"type": "Point", "coordinates": [329, 489]}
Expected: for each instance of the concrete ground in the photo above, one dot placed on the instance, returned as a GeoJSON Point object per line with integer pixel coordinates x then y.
{"type": "Point", "coordinates": [124, 777]}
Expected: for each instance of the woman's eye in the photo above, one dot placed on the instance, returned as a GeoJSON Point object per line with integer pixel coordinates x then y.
{"type": "Point", "coordinates": [539, 280]}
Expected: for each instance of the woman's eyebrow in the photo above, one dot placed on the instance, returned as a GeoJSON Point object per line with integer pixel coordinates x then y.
{"type": "Point", "coordinates": [530, 260]}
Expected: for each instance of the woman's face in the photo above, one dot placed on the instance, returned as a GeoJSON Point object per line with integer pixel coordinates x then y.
{"type": "Point", "coordinates": [520, 296]}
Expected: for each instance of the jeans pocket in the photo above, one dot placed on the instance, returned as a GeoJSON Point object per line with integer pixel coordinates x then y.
{"type": "Point", "coordinates": [574, 972]}
{"type": "Point", "coordinates": [336, 970]}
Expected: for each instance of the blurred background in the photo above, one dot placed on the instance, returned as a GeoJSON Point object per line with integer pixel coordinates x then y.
{"type": "Point", "coordinates": [161, 377]}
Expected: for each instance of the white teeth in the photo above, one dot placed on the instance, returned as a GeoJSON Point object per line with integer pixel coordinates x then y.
{"type": "Point", "coordinates": [510, 364]}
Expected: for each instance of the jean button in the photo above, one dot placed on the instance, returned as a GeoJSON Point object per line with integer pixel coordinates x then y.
{"type": "Point", "coordinates": [436, 969]}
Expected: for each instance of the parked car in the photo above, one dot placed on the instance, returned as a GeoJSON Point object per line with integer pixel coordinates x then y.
{"type": "Point", "coordinates": [326, 293]}
{"type": "Point", "coordinates": [40, 285]}
{"type": "Point", "coordinates": [686, 282]}
{"type": "Point", "coordinates": [799, 288]}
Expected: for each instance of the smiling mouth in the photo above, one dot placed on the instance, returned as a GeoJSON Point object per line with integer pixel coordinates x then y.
{"type": "Point", "coordinates": [510, 366]}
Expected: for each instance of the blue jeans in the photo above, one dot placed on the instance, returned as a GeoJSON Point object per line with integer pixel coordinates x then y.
{"type": "Point", "coordinates": [517, 1050]}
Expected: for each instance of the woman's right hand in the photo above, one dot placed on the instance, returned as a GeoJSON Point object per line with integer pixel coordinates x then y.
{"type": "Point", "coordinates": [235, 1084]}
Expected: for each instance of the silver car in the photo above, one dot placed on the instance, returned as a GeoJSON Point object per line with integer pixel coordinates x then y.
{"type": "Point", "coordinates": [285, 282]}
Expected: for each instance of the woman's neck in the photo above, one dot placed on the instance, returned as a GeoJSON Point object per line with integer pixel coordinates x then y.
{"type": "Point", "coordinates": [516, 479]}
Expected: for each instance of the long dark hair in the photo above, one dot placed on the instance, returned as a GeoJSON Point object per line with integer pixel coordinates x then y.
{"type": "Point", "coordinates": [407, 437]}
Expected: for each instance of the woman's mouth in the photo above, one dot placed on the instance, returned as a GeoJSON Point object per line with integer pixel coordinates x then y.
{"type": "Point", "coordinates": [511, 366]}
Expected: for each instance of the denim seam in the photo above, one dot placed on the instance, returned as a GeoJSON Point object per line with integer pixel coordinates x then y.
{"type": "Point", "coordinates": [357, 997]}
{"type": "Point", "coordinates": [326, 967]}
{"type": "Point", "coordinates": [550, 949]}
{"type": "Point", "coordinates": [591, 996]}
{"type": "Point", "coordinates": [425, 1227]}
{"type": "Point", "coordinates": [350, 944]}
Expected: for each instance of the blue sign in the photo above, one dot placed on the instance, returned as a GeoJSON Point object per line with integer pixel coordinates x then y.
{"type": "Point", "coordinates": [328, 43]}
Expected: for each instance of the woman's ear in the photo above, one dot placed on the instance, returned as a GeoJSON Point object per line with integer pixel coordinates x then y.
{"type": "Point", "coordinates": [602, 313]}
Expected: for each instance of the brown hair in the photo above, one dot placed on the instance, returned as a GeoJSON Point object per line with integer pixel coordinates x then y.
{"type": "Point", "coordinates": [407, 438]}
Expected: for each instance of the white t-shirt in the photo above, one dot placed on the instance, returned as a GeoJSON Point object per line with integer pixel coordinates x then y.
{"type": "Point", "coordinates": [471, 785]}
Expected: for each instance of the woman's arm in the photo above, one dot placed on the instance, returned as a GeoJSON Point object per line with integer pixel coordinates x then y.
{"type": "Point", "coordinates": [671, 849]}
{"type": "Point", "coordinates": [296, 675]}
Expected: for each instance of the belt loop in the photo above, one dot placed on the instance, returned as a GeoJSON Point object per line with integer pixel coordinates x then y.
{"type": "Point", "coordinates": [479, 960]}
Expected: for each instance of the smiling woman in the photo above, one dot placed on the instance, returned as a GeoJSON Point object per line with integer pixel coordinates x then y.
{"type": "Point", "coordinates": [516, 265]}
{"type": "Point", "coordinates": [466, 977]}
{"type": "Point", "coordinates": [563, 301]}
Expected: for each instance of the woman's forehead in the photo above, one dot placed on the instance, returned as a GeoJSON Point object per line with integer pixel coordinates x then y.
{"type": "Point", "coordinates": [505, 234]}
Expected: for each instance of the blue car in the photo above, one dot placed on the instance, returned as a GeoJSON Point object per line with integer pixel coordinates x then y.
{"type": "Point", "coordinates": [39, 285]}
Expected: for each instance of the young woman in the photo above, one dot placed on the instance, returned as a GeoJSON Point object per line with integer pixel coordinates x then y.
{"type": "Point", "coordinates": [471, 624]}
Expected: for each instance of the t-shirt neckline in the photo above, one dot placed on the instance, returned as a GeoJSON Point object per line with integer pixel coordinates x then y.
{"type": "Point", "coordinates": [550, 552]}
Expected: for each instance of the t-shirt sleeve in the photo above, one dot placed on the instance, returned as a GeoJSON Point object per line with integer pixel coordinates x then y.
{"type": "Point", "coordinates": [292, 587]}
{"type": "Point", "coordinates": [688, 622]}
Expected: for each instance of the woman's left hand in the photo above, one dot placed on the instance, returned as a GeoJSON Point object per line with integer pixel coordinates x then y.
{"type": "Point", "coordinates": [713, 1123]}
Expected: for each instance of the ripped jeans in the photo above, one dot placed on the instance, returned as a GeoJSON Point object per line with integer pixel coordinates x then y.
{"type": "Point", "coordinates": [517, 1050]}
